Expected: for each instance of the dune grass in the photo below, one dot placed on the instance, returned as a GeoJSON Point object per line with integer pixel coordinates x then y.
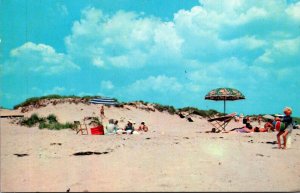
{"type": "Point", "coordinates": [169, 108]}
{"type": "Point", "coordinates": [33, 100]}
{"type": "Point", "coordinates": [203, 113]}
{"type": "Point", "coordinates": [49, 122]}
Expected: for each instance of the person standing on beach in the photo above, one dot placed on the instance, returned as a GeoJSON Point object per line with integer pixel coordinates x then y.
{"type": "Point", "coordinates": [259, 118]}
{"type": "Point", "coordinates": [287, 120]}
{"type": "Point", "coordinates": [241, 116]}
{"type": "Point", "coordinates": [102, 112]}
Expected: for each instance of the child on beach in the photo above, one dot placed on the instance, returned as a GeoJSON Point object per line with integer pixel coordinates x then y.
{"type": "Point", "coordinates": [102, 112]}
{"type": "Point", "coordinates": [287, 120]}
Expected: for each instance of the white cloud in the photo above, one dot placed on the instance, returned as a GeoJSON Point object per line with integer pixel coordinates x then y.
{"type": "Point", "coordinates": [209, 32]}
{"type": "Point", "coordinates": [39, 58]}
{"type": "Point", "coordinates": [107, 84]}
{"type": "Point", "coordinates": [160, 84]}
{"type": "Point", "coordinates": [62, 9]}
{"type": "Point", "coordinates": [294, 11]}
{"type": "Point", "coordinates": [281, 53]}
{"type": "Point", "coordinates": [55, 90]}
{"type": "Point", "coordinates": [85, 94]}
{"type": "Point", "coordinates": [124, 39]}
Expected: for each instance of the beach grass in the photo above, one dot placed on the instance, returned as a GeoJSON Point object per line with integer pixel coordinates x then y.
{"type": "Point", "coordinates": [49, 122]}
{"type": "Point", "coordinates": [203, 113]}
{"type": "Point", "coordinates": [33, 100]}
{"type": "Point", "coordinates": [160, 107]}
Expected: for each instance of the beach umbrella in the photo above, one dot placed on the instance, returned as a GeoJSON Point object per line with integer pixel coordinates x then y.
{"type": "Point", "coordinates": [224, 94]}
{"type": "Point", "coordinates": [269, 117]}
{"type": "Point", "coordinates": [104, 101]}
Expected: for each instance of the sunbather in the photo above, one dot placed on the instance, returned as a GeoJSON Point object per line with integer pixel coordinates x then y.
{"type": "Point", "coordinates": [129, 127]}
{"type": "Point", "coordinates": [110, 128]}
{"type": "Point", "coordinates": [143, 127]}
{"type": "Point", "coordinates": [116, 128]}
{"type": "Point", "coordinates": [268, 126]}
{"type": "Point", "coordinates": [245, 129]}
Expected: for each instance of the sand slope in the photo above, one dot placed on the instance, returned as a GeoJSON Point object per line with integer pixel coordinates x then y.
{"type": "Point", "coordinates": [175, 155]}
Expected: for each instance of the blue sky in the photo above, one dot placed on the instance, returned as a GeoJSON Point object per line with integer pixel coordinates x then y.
{"type": "Point", "coordinates": [171, 52]}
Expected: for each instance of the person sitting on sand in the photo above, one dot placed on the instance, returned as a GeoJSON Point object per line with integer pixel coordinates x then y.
{"type": "Point", "coordinates": [248, 127]}
{"type": "Point", "coordinates": [116, 126]}
{"type": "Point", "coordinates": [143, 127]}
{"type": "Point", "coordinates": [110, 128]}
{"type": "Point", "coordinates": [287, 120]}
{"type": "Point", "coordinates": [129, 127]}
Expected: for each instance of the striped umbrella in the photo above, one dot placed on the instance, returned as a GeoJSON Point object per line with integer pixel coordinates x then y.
{"type": "Point", "coordinates": [224, 94]}
{"type": "Point", "coordinates": [104, 101]}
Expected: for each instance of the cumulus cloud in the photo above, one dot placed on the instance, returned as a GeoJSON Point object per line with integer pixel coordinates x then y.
{"type": "Point", "coordinates": [294, 11]}
{"type": "Point", "coordinates": [220, 43]}
{"type": "Point", "coordinates": [210, 32]}
{"type": "Point", "coordinates": [62, 9]}
{"type": "Point", "coordinates": [55, 90]}
{"type": "Point", "coordinates": [107, 84]}
{"type": "Point", "coordinates": [161, 84]}
{"type": "Point", "coordinates": [38, 58]}
{"type": "Point", "coordinates": [125, 39]}
{"type": "Point", "coordinates": [237, 43]}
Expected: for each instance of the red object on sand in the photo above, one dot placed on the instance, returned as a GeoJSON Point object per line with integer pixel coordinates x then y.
{"type": "Point", "coordinates": [99, 130]}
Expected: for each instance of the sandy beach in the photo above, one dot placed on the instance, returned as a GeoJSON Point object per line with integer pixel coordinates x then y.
{"type": "Point", "coordinates": [175, 155]}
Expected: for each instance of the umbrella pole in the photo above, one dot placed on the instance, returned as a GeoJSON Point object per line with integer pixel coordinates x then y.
{"type": "Point", "coordinates": [224, 111]}
{"type": "Point", "coordinates": [224, 106]}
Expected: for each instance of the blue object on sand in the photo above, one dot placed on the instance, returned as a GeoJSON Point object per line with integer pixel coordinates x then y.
{"type": "Point", "coordinates": [104, 101]}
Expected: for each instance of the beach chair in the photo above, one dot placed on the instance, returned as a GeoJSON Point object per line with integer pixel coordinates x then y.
{"type": "Point", "coordinates": [220, 123]}
{"type": "Point", "coordinates": [81, 127]}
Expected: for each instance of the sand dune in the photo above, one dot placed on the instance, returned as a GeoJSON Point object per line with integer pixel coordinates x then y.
{"type": "Point", "coordinates": [175, 155]}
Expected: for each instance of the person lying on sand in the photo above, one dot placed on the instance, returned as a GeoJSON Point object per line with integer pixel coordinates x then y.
{"type": "Point", "coordinates": [248, 128]}
{"type": "Point", "coordinates": [269, 126]}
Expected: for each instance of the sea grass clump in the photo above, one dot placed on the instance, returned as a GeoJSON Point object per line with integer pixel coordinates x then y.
{"type": "Point", "coordinates": [49, 122]}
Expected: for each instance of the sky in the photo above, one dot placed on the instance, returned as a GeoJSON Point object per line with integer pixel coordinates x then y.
{"type": "Point", "coordinates": [171, 52]}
